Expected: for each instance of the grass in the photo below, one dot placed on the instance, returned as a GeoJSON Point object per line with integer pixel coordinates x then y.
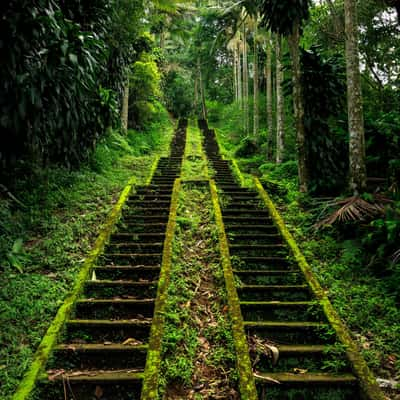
{"type": "Point", "coordinates": [198, 355]}
{"type": "Point", "coordinates": [56, 227]}
{"type": "Point", "coordinates": [195, 165]}
{"type": "Point", "coordinates": [360, 296]}
{"type": "Point", "coordinates": [198, 344]}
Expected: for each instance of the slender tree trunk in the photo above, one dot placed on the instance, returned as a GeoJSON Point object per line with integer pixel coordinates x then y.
{"type": "Point", "coordinates": [125, 107]}
{"type": "Point", "coordinates": [358, 173]}
{"type": "Point", "coordinates": [268, 78]}
{"type": "Point", "coordinates": [203, 97]}
{"type": "Point", "coordinates": [280, 107]}
{"type": "Point", "coordinates": [294, 45]}
{"type": "Point", "coordinates": [196, 95]}
{"type": "Point", "coordinates": [256, 117]}
{"type": "Point", "coordinates": [245, 81]}
{"type": "Point", "coordinates": [235, 75]}
{"type": "Point", "coordinates": [239, 76]}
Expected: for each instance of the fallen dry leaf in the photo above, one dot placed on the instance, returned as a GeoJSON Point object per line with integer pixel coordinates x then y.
{"type": "Point", "coordinates": [98, 392]}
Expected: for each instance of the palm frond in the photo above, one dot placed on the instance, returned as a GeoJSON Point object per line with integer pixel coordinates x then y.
{"type": "Point", "coordinates": [354, 209]}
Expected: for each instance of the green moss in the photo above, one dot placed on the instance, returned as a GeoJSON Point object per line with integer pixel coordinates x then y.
{"type": "Point", "coordinates": [50, 339]}
{"type": "Point", "coordinates": [246, 379]}
{"type": "Point", "coordinates": [367, 381]}
{"type": "Point", "coordinates": [151, 373]}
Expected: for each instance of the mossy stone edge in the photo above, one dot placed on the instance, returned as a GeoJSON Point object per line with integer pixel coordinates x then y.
{"type": "Point", "coordinates": [50, 339]}
{"type": "Point", "coordinates": [247, 385]}
{"type": "Point", "coordinates": [151, 373]}
{"type": "Point", "coordinates": [370, 389]}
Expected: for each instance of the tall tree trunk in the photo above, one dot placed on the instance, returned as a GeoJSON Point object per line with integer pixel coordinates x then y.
{"type": "Point", "coordinates": [235, 75]}
{"type": "Point", "coordinates": [268, 78]}
{"type": "Point", "coordinates": [358, 173]}
{"type": "Point", "coordinates": [125, 107]}
{"type": "Point", "coordinates": [239, 76]}
{"type": "Point", "coordinates": [294, 45]}
{"type": "Point", "coordinates": [196, 94]}
{"type": "Point", "coordinates": [256, 117]}
{"type": "Point", "coordinates": [245, 81]}
{"type": "Point", "coordinates": [280, 106]}
{"type": "Point", "coordinates": [203, 97]}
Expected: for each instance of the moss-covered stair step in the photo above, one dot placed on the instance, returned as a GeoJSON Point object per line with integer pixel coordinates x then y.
{"type": "Point", "coordinates": [127, 272]}
{"type": "Point", "coordinates": [131, 213]}
{"type": "Point", "coordinates": [267, 263]}
{"type": "Point", "coordinates": [305, 359]}
{"type": "Point", "coordinates": [274, 293]}
{"type": "Point", "coordinates": [152, 237]}
{"type": "Point", "coordinates": [233, 189]}
{"type": "Point", "coordinates": [110, 289]}
{"type": "Point", "coordinates": [241, 195]}
{"type": "Point", "coordinates": [291, 332]}
{"type": "Point", "coordinates": [135, 247]}
{"type": "Point", "coordinates": [115, 308]}
{"type": "Point", "coordinates": [101, 356]}
{"type": "Point", "coordinates": [259, 249]}
{"type": "Point", "coordinates": [81, 385]}
{"type": "Point", "coordinates": [132, 258]}
{"type": "Point", "coordinates": [143, 219]}
{"type": "Point", "coordinates": [244, 205]}
{"type": "Point", "coordinates": [250, 229]}
{"type": "Point", "coordinates": [110, 331]}
{"type": "Point", "coordinates": [256, 220]}
{"type": "Point", "coordinates": [265, 277]}
{"type": "Point", "coordinates": [140, 198]}
{"type": "Point", "coordinates": [282, 311]}
{"type": "Point", "coordinates": [321, 386]}
{"type": "Point", "coordinates": [154, 191]}
{"type": "Point", "coordinates": [268, 238]}
{"type": "Point", "coordinates": [247, 212]}
{"type": "Point", "coordinates": [134, 228]}
{"type": "Point", "coordinates": [149, 203]}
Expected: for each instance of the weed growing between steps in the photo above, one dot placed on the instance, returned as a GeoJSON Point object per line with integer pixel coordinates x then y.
{"type": "Point", "coordinates": [196, 164]}
{"type": "Point", "coordinates": [198, 349]}
{"type": "Point", "coordinates": [56, 228]}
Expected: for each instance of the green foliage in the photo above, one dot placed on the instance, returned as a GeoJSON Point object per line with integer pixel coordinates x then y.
{"type": "Point", "coordinates": [179, 93]}
{"type": "Point", "coordinates": [144, 89]}
{"type": "Point", "coordinates": [324, 88]}
{"type": "Point", "coordinates": [246, 148]}
{"type": "Point", "coordinates": [17, 256]}
{"type": "Point", "coordinates": [61, 78]}
{"type": "Point", "coordinates": [50, 237]}
{"type": "Point", "coordinates": [280, 16]}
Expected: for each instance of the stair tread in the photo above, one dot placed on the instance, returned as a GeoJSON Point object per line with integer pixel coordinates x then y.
{"type": "Point", "coordinates": [109, 322]}
{"type": "Point", "coordinates": [100, 347]}
{"type": "Point", "coordinates": [116, 301]}
{"type": "Point", "coordinates": [277, 303]}
{"type": "Point", "coordinates": [310, 378]}
{"type": "Point", "coordinates": [123, 282]}
{"type": "Point", "coordinates": [101, 376]}
{"type": "Point", "coordinates": [287, 324]}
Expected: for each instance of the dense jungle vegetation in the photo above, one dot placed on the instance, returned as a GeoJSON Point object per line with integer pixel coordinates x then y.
{"type": "Point", "coordinates": [304, 94]}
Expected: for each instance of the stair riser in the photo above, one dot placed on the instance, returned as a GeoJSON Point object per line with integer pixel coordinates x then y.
{"type": "Point", "coordinates": [112, 291]}
{"type": "Point", "coordinates": [308, 336]}
{"type": "Point", "coordinates": [101, 334]}
{"type": "Point", "coordinates": [115, 311]}
{"type": "Point", "coordinates": [107, 360]}
{"type": "Point", "coordinates": [113, 273]}
{"type": "Point", "coordinates": [86, 391]}
{"type": "Point", "coordinates": [254, 294]}
{"type": "Point", "coordinates": [282, 314]}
